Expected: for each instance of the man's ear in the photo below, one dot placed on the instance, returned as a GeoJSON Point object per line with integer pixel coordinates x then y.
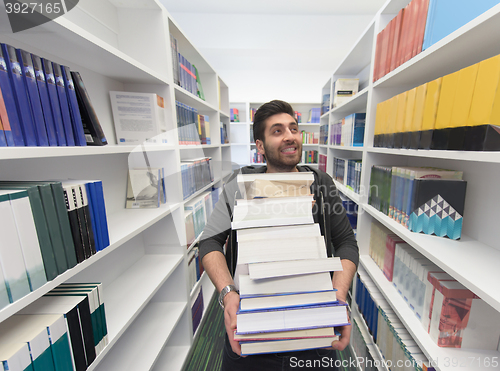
{"type": "Point", "coordinates": [260, 146]}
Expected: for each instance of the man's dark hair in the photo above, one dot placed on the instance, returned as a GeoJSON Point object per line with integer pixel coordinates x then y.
{"type": "Point", "coordinates": [264, 112]}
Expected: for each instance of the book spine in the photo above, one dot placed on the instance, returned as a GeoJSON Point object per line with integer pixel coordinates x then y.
{"type": "Point", "coordinates": [54, 101]}
{"type": "Point", "coordinates": [31, 88]}
{"type": "Point", "coordinates": [96, 221]}
{"type": "Point", "coordinates": [74, 222]}
{"type": "Point", "coordinates": [20, 96]}
{"type": "Point", "coordinates": [63, 103]}
{"type": "Point", "coordinates": [5, 130]}
{"type": "Point", "coordinates": [76, 119]}
{"type": "Point", "coordinates": [65, 228]}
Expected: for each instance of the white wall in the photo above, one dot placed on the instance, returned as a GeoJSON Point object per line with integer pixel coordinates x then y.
{"type": "Point", "coordinates": [263, 57]}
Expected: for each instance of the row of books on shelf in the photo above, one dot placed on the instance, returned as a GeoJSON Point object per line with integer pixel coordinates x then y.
{"type": "Point", "coordinates": [185, 73]}
{"type": "Point", "coordinates": [309, 157]}
{"type": "Point", "coordinates": [389, 334]}
{"type": "Point", "coordinates": [349, 131]}
{"type": "Point", "coordinates": [63, 330]}
{"type": "Point", "coordinates": [310, 137]}
{"type": "Point", "coordinates": [314, 116]}
{"type": "Point", "coordinates": [281, 255]}
{"type": "Point", "coordinates": [452, 315]}
{"type": "Point", "coordinates": [364, 354]}
{"type": "Point", "coordinates": [325, 104]}
{"type": "Point", "coordinates": [197, 308]}
{"type": "Point", "coordinates": [47, 228]}
{"type": "Point", "coordinates": [343, 90]}
{"type": "Point", "coordinates": [234, 115]}
{"type": "Point", "coordinates": [43, 103]}
{"type": "Point", "coordinates": [256, 157]}
{"type": "Point", "coordinates": [224, 133]}
{"type": "Point", "coordinates": [347, 172]}
{"type": "Point", "coordinates": [196, 213]}
{"type": "Point", "coordinates": [418, 26]}
{"type": "Point", "coordinates": [252, 113]}
{"type": "Point", "coordinates": [456, 112]}
{"type": "Point", "coordinates": [192, 127]}
{"type": "Point", "coordinates": [427, 200]}
{"type": "Point", "coordinates": [196, 174]}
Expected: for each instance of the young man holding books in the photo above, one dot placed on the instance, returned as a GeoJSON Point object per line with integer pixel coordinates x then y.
{"type": "Point", "coordinates": [278, 138]}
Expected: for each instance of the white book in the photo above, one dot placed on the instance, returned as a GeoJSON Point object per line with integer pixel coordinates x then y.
{"type": "Point", "coordinates": [28, 237]}
{"type": "Point", "coordinates": [4, 295]}
{"type": "Point", "coordinates": [269, 212]}
{"type": "Point", "coordinates": [139, 118]}
{"type": "Point", "coordinates": [282, 285]}
{"type": "Point", "coordinates": [344, 89]}
{"type": "Point", "coordinates": [260, 185]}
{"type": "Point", "coordinates": [294, 334]}
{"type": "Point", "coordinates": [277, 346]}
{"type": "Point", "coordinates": [281, 249]}
{"type": "Point", "coordinates": [288, 300]}
{"type": "Point", "coordinates": [15, 356]}
{"type": "Point", "coordinates": [286, 231]}
{"type": "Point", "coordinates": [293, 267]}
{"type": "Point", "coordinates": [11, 254]}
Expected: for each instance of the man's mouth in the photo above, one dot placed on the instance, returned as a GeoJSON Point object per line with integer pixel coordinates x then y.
{"type": "Point", "coordinates": [289, 150]}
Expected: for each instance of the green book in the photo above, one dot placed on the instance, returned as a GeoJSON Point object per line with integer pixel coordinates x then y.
{"type": "Point", "coordinates": [198, 84]}
{"type": "Point", "coordinates": [15, 356]}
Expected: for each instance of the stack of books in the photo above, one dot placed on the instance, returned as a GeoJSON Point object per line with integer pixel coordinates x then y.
{"type": "Point", "coordinates": [287, 299]}
{"type": "Point", "coordinates": [185, 73]}
{"type": "Point", "coordinates": [192, 127]}
{"type": "Point", "coordinates": [234, 115]}
{"type": "Point", "coordinates": [43, 103]}
{"type": "Point", "coordinates": [47, 227]}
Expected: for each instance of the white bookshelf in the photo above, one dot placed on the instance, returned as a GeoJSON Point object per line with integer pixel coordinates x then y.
{"type": "Point", "coordinates": [241, 143]}
{"type": "Point", "coordinates": [144, 270]}
{"type": "Point", "coordinates": [471, 260]}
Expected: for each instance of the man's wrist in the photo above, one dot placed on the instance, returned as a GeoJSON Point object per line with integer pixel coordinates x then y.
{"type": "Point", "coordinates": [225, 291]}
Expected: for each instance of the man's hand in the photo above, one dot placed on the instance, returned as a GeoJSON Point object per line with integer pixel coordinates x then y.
{"type": "Point", "coordinates": [231, 305]}
{"type": "Point", "coordinates": [345, 336]}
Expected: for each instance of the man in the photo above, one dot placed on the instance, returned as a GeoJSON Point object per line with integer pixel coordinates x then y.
{"type": "Point", "coordinates": [279, 140]}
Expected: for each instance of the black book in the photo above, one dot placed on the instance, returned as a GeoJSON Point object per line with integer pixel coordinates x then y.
{"type": "Point", "coordinates": [74, 222]}
{"type": "Point", "coordinates": [91, 126]}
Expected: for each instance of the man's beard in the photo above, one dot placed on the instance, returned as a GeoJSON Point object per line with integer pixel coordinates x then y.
{"type": "Point", "coordinates": [282, 163]}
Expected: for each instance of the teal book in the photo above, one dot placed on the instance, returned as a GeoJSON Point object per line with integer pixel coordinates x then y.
{"type": "Point", "coordinates": [30, 246]}
{"type": "Point", "coordinates": [15, 356]}
{"type": "Point", "coordinates": [11, 254]}
{"type": "Point", "coordinates": [60, 344]}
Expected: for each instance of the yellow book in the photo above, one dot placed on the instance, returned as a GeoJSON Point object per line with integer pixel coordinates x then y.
{"type": "Point", "coordinates": [400, 117]}
{"type": "Point", "coordinates": [379, 119]}
{"type": "Point", "coordinates": [418, 114]}
{"type": "Point", "coordinates": [463, 97]}
{"type": "Point", "coordinates": [449, 88]}
{"type": "Point", "coordinates": [410, 108]}
{"type": "Point", "coordinates": [485, 92]}
{"type": "Point", "coordinates": [431, 104]}
{"type": "Point", "coordinates": [392, 115]}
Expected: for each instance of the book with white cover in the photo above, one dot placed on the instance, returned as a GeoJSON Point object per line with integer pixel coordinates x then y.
{"type": "Point", "coordinates": [282, 285]}
{"type": "Point", "coordinates": [15, 356]}
{"type": "Point", "coordinates": [11, 254]}
{"type": "Point", "coordinates": [286, 231]}
{"type": "Point", "coordinates": [269, 212]}
{"type": "Point", "coordinates": [294, 334]}
{"type": "Point", "coordinates": [293, 267]}
{"type": "Point", "coordinates": [28, 237]}
{"type": "Point", "coordinates": [139, 118]}
{"type": "Point", "coordinates": [296, 318]}
{"type": "Point", "coordinates": [263, 185]}
{"type": "Point", "coordinates": [278, 346]}
{"type": "Point", "coordinates": [281, 249]}
{"type": "Point", "coordinates": [288, 300]}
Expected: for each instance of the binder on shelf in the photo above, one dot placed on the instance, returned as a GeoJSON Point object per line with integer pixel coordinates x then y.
{"type": "Point", "coordinates": [74, 110]}
{"type": "Point", "coordinates": [31, 87]}
{"type": "Point", "coordinates": [20, 96]}
{"type": "Point", "coordinates": [94, 134]}
{"type": "Point", "coordinates": [54, 101]}
{"type": "Point", "coordinates": [44, 100]}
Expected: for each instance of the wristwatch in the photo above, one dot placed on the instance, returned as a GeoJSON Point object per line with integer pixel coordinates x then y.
{"type": "Point", "coordinates": [226, 291]}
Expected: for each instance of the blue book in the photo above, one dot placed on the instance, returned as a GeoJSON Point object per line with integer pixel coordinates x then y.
{"type": "Point", "coordinates": [74, 110]}
{"type": "Point", "coordinates": [447, 16]}
{"type": "Point", "coordinates": [30, 84]}
{"type": "Point", "coordinates": [359, 129]}
{"type": "Point", "coordinates": [44, 100]}
{"type": "Point", "coordinates": [20, 95]}
{"type": "Point", "coordinates": [96, 221]}
{"type": "Point", "coordinates": [54, 101]}
{"type": "Point", "coordinates": [102, 212]}
{"type": "Point", "coordinates": [63, 102]}
{"type": "Point", "coordinates": [3, 141]}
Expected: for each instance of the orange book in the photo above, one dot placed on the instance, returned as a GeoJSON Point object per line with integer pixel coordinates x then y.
{"type": "Point", "coordinates": [404, 34]}
{"type": "Point", "coordinates": [376, 62]}
{"type": "Point", "coordinates": [383, 51]}
{"type": "Point", "coordinates": [420, 30]}
{"type": "Point", "coordinates": [410, 39]}
{"type": "Point", "coordinates": [397, 37]}
{"type": "Point", "coordinates": [392, 28]}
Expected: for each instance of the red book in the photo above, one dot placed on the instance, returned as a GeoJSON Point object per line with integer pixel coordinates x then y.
{"type": "Point", "coordinates": [410, 40]}
{"type": "Point", "coordinates": [396, 41]}
{"type": "Point", "coordinates": [420, 30]}
{"type": "Point", "coordinates": [383, 51]}
{"type": "Point", "coordinates": [404, 33]}
{"type": "Point", "coordinates": [376, 63]}
{"type": "Point", "coordinates": [390, 250]}
{"type": "Point", "coordinates": [392, 28]}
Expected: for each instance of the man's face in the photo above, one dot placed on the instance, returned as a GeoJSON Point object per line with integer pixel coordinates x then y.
{"type": "Point", "coordinates": [283, 143]}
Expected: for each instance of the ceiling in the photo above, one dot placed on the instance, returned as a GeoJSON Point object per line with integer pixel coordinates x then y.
{"type": "Point", "coordinates": [267, 49]}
